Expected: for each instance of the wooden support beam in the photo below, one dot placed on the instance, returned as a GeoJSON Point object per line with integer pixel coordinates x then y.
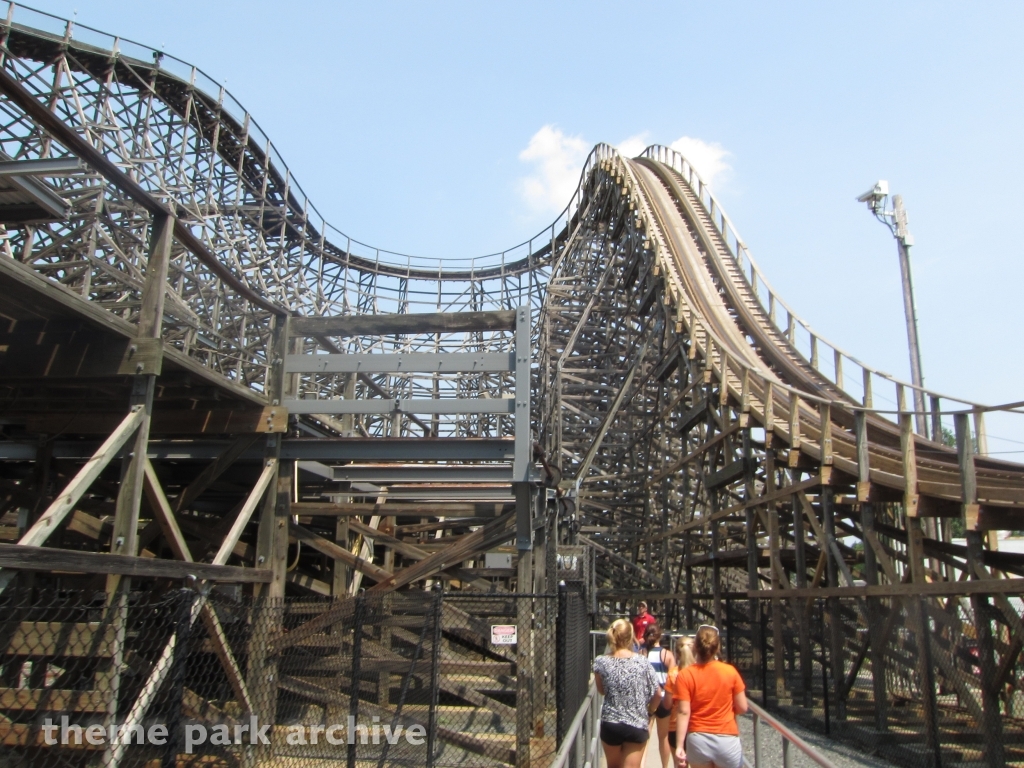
{"type": "Point", "coordinates": [26, 558]}
{"type": "Point", "coordinates": [51, 519]}
{"type": "Point", "coordinates": [165, 515]}
{"type": "Point", "coordinates": [833, 559]}
{"type": "Point", "coordinates": [615, 557]}
{"type": "Point", "coordinates": [398, 509]}
{"type": "Point", "coordinates": [991, 720]}
{"type": "Point", "coordinates": [227, 547]}
{"type": "Point", "coordinates": [213, 471]}
{"type": "Point", "coordinates": [613, 410]}
{"type": "Point", "coordinates": [387, 325]}
{"type": "Point", "coordinates": [876, 633]}
{"type": "Point", "coordinates": [81, 147]}
{"type": "Point", "coordinates": [766, 498]}
{"type": "Point", "coordinates": [329, 548]}
{"type": "Point", "coordinates": [493, 533]}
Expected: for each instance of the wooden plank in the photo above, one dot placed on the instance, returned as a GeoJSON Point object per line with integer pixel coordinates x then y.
{"type": "Point", "coordinates": [25, 558]}
{"type": "Point", "coordinates": [52, 700]}
{"type": "Point", "coordinates": [166, 421]}
{"type": "Point", "coordinates": [414, 552]}
{"type": "Point", "coordinates": [329, 548]}
{"type": "Point", "coordinates": [386, 325]}
{"type": "Point", "coordinates": [25, 735]}
{"type": "Point", "coordinates": [727, 474]}
{"type": "Point", "coordinates": [693, 417]}
{"type": "Point", "coordinates": [31, 354]}
{"type": "Point", "coordinates": [61, 639]}
{"type": "Point", "coordinates": [398, 509]}
{"type": "Point", "coordinates": [89, 526]}
{"type": "Point", "coordinates": [307, 582]}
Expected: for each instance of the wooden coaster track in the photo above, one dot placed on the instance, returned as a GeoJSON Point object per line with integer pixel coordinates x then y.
{"type": "Point", "coordinates": [200, 375]}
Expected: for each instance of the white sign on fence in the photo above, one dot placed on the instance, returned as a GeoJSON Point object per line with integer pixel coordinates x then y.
{"type": "Point", "coordinates": [503, 634]}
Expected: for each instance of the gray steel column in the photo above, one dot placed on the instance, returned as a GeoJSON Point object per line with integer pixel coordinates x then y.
{"type": "Point", "coordinates": [903, 243]}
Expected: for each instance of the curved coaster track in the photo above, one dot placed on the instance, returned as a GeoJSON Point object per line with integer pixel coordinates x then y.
{"type": "Point", "coordinates": [200, 377]}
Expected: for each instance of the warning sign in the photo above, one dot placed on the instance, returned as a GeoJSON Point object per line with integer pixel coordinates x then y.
{"type": "Point", "coordinates": [503, 634]}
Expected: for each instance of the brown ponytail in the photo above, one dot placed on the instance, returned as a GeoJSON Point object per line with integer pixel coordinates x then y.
{"type": "Point", "coordinates": [706, 644]}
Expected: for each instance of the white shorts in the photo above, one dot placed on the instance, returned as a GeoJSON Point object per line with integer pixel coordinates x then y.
{"type": "Point", "coordinates": [718, 748]}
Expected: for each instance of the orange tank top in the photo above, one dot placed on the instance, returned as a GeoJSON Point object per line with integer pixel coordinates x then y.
{"type": "Point", "coordinates": [709, 688]}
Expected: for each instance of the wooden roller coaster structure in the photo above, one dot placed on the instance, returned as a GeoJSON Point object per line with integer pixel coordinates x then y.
{"type": "Point", "coordinates": [200, 377]}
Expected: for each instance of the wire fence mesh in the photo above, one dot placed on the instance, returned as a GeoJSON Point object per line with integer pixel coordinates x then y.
{"type": "Point", "coordinates": [915, 681]}
{"type": "Point", "coordinates": [413, 678]}
{"type": "Point", "coordinates": [856, 669]}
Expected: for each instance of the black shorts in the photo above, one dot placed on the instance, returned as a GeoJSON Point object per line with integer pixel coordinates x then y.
{"type": "Point", "coordinates": [663, 711]}
{"type": "Point", "coordinates": [617, 734]}
{"type": "Point", "coordinates": [672, 740]}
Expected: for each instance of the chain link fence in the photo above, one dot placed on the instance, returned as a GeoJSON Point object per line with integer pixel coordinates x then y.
{"type": "Point", "coordinates": [953, 700]}
{"type": "Point", "coordinates": [418, 678]}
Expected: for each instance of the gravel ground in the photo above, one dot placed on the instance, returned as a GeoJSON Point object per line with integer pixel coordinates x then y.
{"type": "Point", "coordinates": [839, 754]}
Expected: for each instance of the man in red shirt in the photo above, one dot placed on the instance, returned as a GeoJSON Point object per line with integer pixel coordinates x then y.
{"type": "Point", "coordinates": [641, 621]}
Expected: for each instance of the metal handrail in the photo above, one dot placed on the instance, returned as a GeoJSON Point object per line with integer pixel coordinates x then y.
{"type": "Point", "coordinates": [581, 740]}
{"type": "Point", "coordinates": [788, 737]}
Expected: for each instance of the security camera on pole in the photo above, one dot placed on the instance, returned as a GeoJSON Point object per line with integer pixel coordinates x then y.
{"type": "Point", "coordinates": [896, 220]}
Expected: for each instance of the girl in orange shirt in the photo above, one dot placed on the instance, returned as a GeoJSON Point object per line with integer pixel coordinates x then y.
{"type": "Point", "coordinates": [684, 658]}
{"type": "Point", "coordinates": [710, 695]}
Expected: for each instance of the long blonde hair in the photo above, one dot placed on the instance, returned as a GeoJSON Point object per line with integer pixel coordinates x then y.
{"type": "Point", "coordinates": [620, 635]}
{"type": "Point", "coordinates": [684, 652]}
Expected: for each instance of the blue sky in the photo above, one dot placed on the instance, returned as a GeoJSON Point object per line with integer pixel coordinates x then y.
{"type": "Point", "coordinates": [408, 125]}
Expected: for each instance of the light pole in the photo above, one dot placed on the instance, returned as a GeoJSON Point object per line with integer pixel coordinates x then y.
{"type": "Point", "coordinates": [896, 221]}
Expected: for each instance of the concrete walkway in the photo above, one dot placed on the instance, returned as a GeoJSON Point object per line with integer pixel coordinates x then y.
{"type": "Point", "coordinates": [771, 744]}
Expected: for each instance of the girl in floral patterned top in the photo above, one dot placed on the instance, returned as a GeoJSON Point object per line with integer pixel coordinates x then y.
{"type": "Point", "coordinates": [631, 692]}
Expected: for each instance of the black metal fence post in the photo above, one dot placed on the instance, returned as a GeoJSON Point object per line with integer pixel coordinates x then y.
{"type": "Point", "coordinates": [561, 649]}
{"type": "Point", "coordinates": [728, 630]}
{"type": "Point", "coordinates": [930, 709]}
{"type": "Point", "coordinates": [435, 661]}
{"type": "Point", "coordinates": [358, 618]}
{"type": "Point", "coordinates": [824, 670]}
{"type": "Point", "coordinates": [182, 629]}
{"type": "Point", "coordinates": [764, 658]}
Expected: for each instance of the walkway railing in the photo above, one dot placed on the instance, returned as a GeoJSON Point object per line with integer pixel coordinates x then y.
{"type": "Point", "coordinates": [580, 747]}
{"type": "Point", "coordinates": [789, 739]}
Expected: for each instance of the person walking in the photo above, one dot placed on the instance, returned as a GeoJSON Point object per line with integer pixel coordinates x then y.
{"type": "Point", "coordinates": [711, 695]}
{"type": "Point", "coordinates": [684, 658]}
{"type": "Point", "coordinates": [661, 660]}
{"type": "Point", "coordinates": [631, 692]}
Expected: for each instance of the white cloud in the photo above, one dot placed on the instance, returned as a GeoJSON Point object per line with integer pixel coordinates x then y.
{"type": "Point", "coordinates": [707, 158]}
{"type": "Point", "coordinates": [557, 160]}
{"type": "Point", "coordinates": [634, 145]}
